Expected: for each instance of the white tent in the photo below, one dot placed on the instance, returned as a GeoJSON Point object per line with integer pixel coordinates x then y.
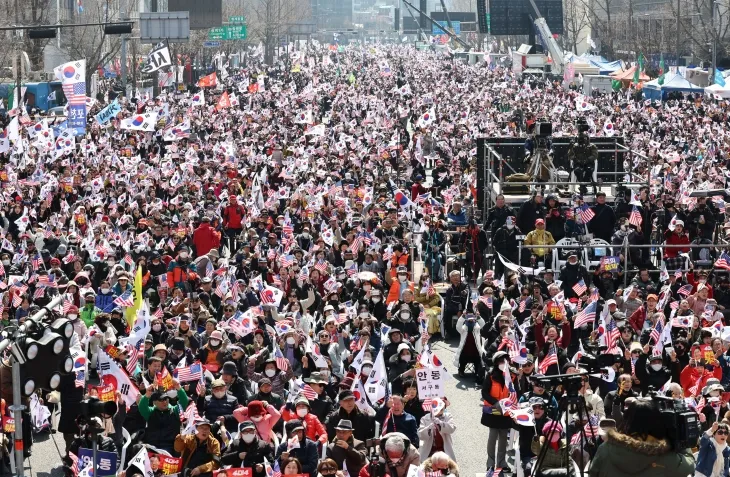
{"type": "Point", "coordinates": [716, 89]}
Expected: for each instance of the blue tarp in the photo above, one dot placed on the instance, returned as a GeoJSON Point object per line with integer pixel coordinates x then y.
{"type": "Point", "coordinates": [604, 66]}
{"type": "Point", "coordinates": [672, 82]}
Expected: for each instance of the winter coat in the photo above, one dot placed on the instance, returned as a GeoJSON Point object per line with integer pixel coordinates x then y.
{"type": "Point", "coordinates": [624, 456]}
{"type": "Point", "coordinates": [224, 407]}
{"type": "Point", "coordinates": [205, 238]}
{"type": "Point", "coordinates": [307, 454]}
{"type": "Point", "coordinates": [493, 390]}
{"type": "Point", "coordinates": [363, 425]}
{"type": "Point", "coordinates": [463, 332]}
{"type": "Point", "coordinates": [446, 426]}
{"type": "Point", "coordinates": [405, 424]}
{"type": "Point", "coordinates": [411, 456]}
{"type": "Point", "coordinates": [162, 427]}
{"type": "Point", "coordinates": [256, 452]}
{"type": "Point", "coordinates": [355, 456]}
{"type": "Point", "coordinates": [689, 377]}
{"type": "Point", "coordinates": [315, 430]}
{"type": "Point", "coordinates": [708, 455]}
{"type": "Point", "coordinates": [278, 382]}
{"type": "Point", "coordinates": [263, 427]}
{"type": "Point", "coordinates": [187, 444]}
{"type": "Point", "coordinates": [105, 301]}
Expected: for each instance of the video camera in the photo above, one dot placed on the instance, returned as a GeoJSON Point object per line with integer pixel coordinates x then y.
{"type": "Point", "coordinates": [682, 423]}
{"type": "Point", "coordinates": [582, 126]}
{"type": "Point", "coordinates": [571, 382]}
{"type": "Point", "coordinates": [90, 408]}
{"type": "Point", "coordinates": [596, 360]}
{"type": "Point", "coordinates": [375, 467]}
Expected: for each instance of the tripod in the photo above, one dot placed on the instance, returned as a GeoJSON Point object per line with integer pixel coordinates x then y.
{"type": "Point", "coordinates": [578, 402]}
{"type": "Point", "coordinates": [541, 167]}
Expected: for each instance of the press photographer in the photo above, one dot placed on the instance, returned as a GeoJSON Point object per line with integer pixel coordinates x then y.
{"type": "Point", "coordinates": [641, 446]}
{"type": "Point", "coordinates": [583, 156]}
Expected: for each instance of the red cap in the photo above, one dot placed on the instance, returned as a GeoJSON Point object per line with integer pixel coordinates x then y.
{"type": "Point", "coordinates": [539, 222]}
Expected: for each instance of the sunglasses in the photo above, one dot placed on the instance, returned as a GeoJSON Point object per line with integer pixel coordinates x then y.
{"type": "Point", "coordinates": [721, 432]}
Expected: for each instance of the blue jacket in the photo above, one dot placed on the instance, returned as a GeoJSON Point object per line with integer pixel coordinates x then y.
{"type": "Point", "coordinates": [707, 455]}
{"type": "Point", "coordinates": [105, 302]}
{"type": "Point", "coordinates": [405, 424]}
{"type": "Point", "coordinates": [308, 455]}
{"type": "Point", "coordinates": [724, 360]}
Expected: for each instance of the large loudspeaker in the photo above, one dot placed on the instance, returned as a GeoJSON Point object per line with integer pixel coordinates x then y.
{"type": "Point", "coordinates": [423, 6]}
{"type": "Point", "coordinates": [203, 14]}
{"type": "Point", "coordinates": [482, 16]}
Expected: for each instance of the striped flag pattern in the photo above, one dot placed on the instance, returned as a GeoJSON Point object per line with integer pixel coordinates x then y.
{"type": "Point", "coordinates": [580, 288]}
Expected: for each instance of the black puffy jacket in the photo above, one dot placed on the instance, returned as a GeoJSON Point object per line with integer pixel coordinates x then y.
{"type": "Point", "coordinates": [162, 428]}
{"type": "Point", "coordinates": [215, 408]}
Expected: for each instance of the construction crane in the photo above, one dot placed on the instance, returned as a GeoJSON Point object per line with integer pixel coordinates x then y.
{"type": "Point", "coordinates": [547, 39]}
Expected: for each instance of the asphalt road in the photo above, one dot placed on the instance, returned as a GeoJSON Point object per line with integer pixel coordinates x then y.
{"type": "Point", "coordinates": [470, 438]}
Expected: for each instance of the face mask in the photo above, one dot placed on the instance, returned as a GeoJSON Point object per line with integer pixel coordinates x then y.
{"type": "Point", "coordinates": [302, 412]}
{"type": "Point", "coordinates": [366, 287]}
{"type": "Point", "coordinates": [656, 367]}
{"type": "Point", "coordinates": [406, 357]}
{"type": "Point", "coordinates": [325, 374]}
{"type": "Point", "coordinates": [248, 438]}
{"type": "Point", "coordinates": [405, 315]}
{"type": "Point", "coordinates": [105, 290]}
{"type": "Point", "coordinates": [6, 262]}
{"type": "Point", "coordinates": [290, 341]}
{"type": "Point", "coordinates": [219, 394]}
{"type": "Point", "coordinates": [503, 367]}
{"type": "Point", "coordinates": [270, 372]}
{"type": "Point", "coordinates": [159, 327]}
{"type": "Point", "coordinates": [184, 256]}
{"type": "Point", "coordinates": [305, 235]}
{"type": "Point", "coordinates": [364, 314]}
{"type": "Point", "coordinates": [110, 263]}
{"type": "Point", "coordinates": [510, 226]}
{"type": "Point", "coordinates": [214, 343]}
{"type": "Point", "coordinates": [365, 371]}
{"type": "Point", "coordinates": [402, 278]}
{"type": "Point", "coordinates": [376, 299]}
{"type": "Point", "coordinates": [73, 317]}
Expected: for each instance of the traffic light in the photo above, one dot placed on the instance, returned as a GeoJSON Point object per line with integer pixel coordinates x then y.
{"type": "Point", "coordinates": [43, 355]}
{"type": "Point", "coordinates": [42, 33]}
{"type": "Point", "coordinates": [482, 16]}
{"type": "Point", "coordinates": [118, 29]}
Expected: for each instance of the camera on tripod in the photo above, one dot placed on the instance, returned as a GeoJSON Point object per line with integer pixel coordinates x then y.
{"type": "Point", "coordinates": [375, 467]}
{"type": "Point", "coordinates": [92, 408]}
{"type": "Point", "coordinates": [682, 423]}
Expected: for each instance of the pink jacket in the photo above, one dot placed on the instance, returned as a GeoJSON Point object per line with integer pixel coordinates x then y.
{"type": "Point", "coordinates": [263, 428]}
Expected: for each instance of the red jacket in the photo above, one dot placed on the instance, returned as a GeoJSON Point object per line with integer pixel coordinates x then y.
{"type": "Point", "coordinates": [315, 429]}
{"type": "Point", "coordinates": [233, 216]}
{"type": "Point", "coordinates": [674, 239]}
{"type": "Point", "coordinates": [691, 280]}
{"type": "Point", "coordinates": [689, 376]}
{"type": "Point", "coordinates": [205, 239]}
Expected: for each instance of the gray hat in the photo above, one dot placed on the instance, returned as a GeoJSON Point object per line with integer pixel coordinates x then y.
{"type": "Point", "coordinates": [344, 425]}
{"type": "Point", "coordinates": [315, 378]}
{"type": "Point", "coordinates": [246, 425]}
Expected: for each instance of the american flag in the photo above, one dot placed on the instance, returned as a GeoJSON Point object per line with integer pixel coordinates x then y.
{"type": "Point", "coordinates": [594, 295]}
{"type": "Point", "coordinates": [158, 313]}
{"type": "Point", "coordinates": [523, 305]}
{"type": "Point", "coordinates": [321, 265]}
{"type": "Point", "coordinates": [586, 213]}
{"type": "Point", "coordinates": [635, 218]}
{"type": "Point", "coordinates": [591, 429]}
{"type": "Point", "coordinates": [79, 382]}
{"type": "Point", "coordinates": [678, 274]}
{"type": "Point", "coordinates": [281, 362]}
{"type": "Point", "coordinates": [133, 352]}
{"type": "Point", "coordinates": [36, 261]}
{"type": "Point", "coordinates": [356, 244]}
{"type": "Point", "coordinates": [67, 306]}
{"type": "Point", "coordinates": [494, 472]}
{"type": "Point", "coordinates": [189, 373]}
{"type": "Point", "coordinates": [47, 280]}
{"type": "Point", "coordinates": [128, 260]}
{"type": "Point", "coordinates": [487, 300]}
{"type": "Point", "coordinates": [587, 315]}
{"type": "Point", "coordinates": [431, 291]}
{"type": "Point", "coordinates": [75, 93]}
{"type": "Point", "coordinates": [277, 471]}
{"type": "Point", "coordinates": [125, 299]}
{"type": "Point", "coordinates": [286, 261]}
{"type": "Point", "coordinates": [427, 405]}
{"type": "Point", "coordinates": [39, 293]}
{"type": "Point", "coordinates": [352, 269]}
{"type": "Point", "coordinates": [656, 332]}
{"type": "Point", "coordinates": [74, 463]}
{"type": "Point", "coordinates": [200, 388]}
{"type": "Point", "coordinates": [612, 334]}
{"type": "Point", "coordinates": [69, 258]}
{"type": "Point", "coordinates": [550, 358]}
{"type": "Point", "coordinates": [685, 290]}
{"type": "Point", "coordinates": [580, 288]}
{"type": "Point", "coordinates": [306, 390]}
{"type": "Point", "coordinates": [723, 262]}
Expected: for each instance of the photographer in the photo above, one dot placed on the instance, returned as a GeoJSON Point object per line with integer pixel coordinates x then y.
{"type": "Point", "coordinates": [583, 157]}
{"type": "Point", "coordinates": [641, 446]}
{"type": "Point", "coordinates": [396, 457]}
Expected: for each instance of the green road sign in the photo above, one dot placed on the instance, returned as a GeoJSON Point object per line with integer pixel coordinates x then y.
{"type": "Point", "coordinates": [489, 23]}
{"type": "Point", "coordinates": [228, 32]}
{"type": "Point", "coordinates": [237, 19]}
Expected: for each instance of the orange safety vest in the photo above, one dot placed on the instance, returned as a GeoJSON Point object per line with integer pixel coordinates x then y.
{"type": "Point", "coordinates": [394, 292]}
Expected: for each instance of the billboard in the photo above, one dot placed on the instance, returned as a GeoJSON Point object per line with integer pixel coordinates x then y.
{"type": "Point", "coordinates": [203, 15]}
{"type": "Point", "coordinates": [171, 26]}
{"type": "Point", "coordinates": [509, 17]}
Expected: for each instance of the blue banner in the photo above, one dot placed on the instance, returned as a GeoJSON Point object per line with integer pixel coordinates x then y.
{"type": "Point", "coordinates": [106, 462]}
{"type": "Point", "coordinates": [77, 118]}
{"type": "Point", "coordinates": [109, 112]}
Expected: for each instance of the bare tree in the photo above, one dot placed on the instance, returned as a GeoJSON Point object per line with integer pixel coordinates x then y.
{"type": "Point", "coordinates": [269, 19]}
{"type": "Point", "coordinates": [575, 23]}
{"type": "Point", "coordinates": [701, 28]}
{"type": "Point", "coordinates": [26, 12]}
{"type": "Point", "coordinates": [600, 15]}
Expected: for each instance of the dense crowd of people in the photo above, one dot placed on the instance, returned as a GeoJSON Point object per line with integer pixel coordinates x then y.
{"type": "Point", "coordinates": [271, 223]}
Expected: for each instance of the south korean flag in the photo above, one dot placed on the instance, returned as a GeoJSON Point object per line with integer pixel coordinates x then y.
{"type": "Point", "coordinates": [158, 58]}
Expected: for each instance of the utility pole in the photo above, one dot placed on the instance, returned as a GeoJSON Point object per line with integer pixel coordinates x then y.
{"type": "Point", "coordinates": [676, 48]}
{"type": "Point", "coordinates": [18, 72]}
{"type": "Point", "coordinates": [714, 42]}
{"type": "Point", "coordinates": [123, 8]}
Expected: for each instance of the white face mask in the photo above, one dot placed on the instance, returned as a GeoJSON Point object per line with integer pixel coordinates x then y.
{"type": "Point", "coordinates": [72, 317]}
{"type": "Point", "coordinates": [510, 226]}
{"type": "Point", "coordinates": [184, 255]}
{"type": "Point", "coordinates": [270, 372]}
{"type": "Point", "coordinates": [305, 235]}
{"type": "Point", "coordinates": [402, 278]}
{"type": "Point", "coordinates": [257, 419]}
{"type": "Point", "coordinates": [105, 290]}
{"type": "Point", "coordinates": [214, 342]}
{"type": "Point", "coordinates": [365, 371]}
{"type": "Point", "coordinates": [376, 299]}
{"type": "Point", "coordinates": [302, 412]}
{"type": "Point", "coordinates": [406, 357]}
{"type": "Point", "coordinates": [656, 367]}
{"type": "Point", "coordinates": [219, 394]}
{"type": "Point", "coordinates": [290, 341]}
{"type": "Point", "coordinates": [6, 262]}
{"type": "Point", "coordinates": [159, 327]}
{"type": "Point", "coordinates": [503, 367]}
{"type": "Point", "coordinates": [366, 287]}
{"type": "Point", "coordinates": [248, 438]}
